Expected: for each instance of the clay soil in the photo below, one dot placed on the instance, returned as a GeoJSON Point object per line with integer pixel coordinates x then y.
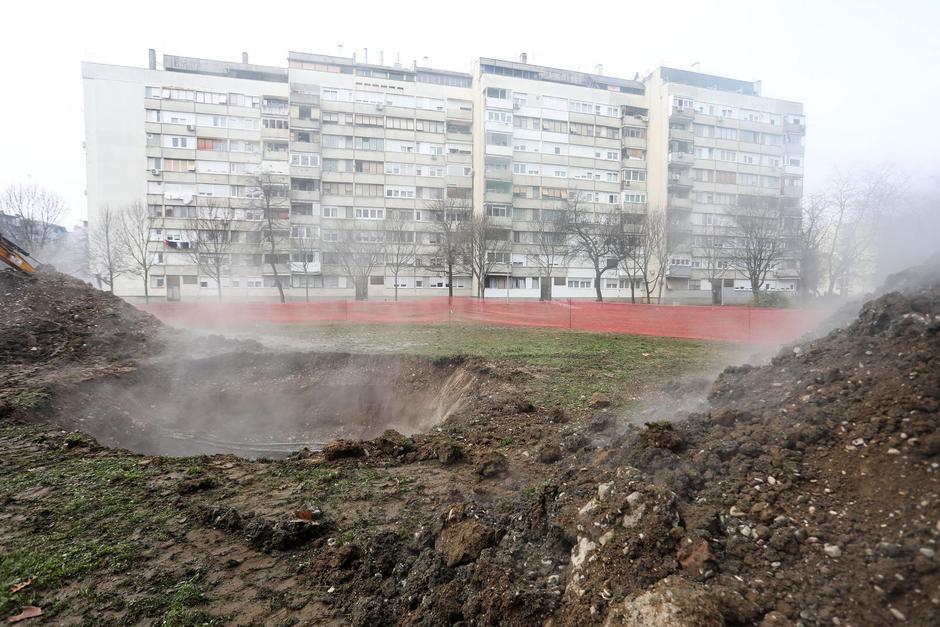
{"type": "Point", "coordinates": [801, 491]}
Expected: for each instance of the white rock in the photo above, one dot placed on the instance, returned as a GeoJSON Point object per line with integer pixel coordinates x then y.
{"type": "Point", "coordinates": [927, 552]}
{"type": "Point", "coordinates": [589, 507]}
{"type": "Point", "coordinates": [580, 551]}
{"type": "Point", "coordinates": [897, 613]}
{"type": "Point", "coordinates": [832, 550]}
{"type": "Point", "coordinates": [604, 489]}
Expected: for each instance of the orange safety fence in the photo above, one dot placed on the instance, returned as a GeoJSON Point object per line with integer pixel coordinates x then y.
{"type": "Point", "coordinates": [719, 323]}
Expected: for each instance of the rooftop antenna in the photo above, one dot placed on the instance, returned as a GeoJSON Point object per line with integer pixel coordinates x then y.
{"type": "Point", "coordinates": [426, 61]}
{"type": "Point", "coordinates": [339, 50]}
{"type": "Point", "coordinates": [599, 68]}
{"type": "Point", "coordinates": [696, 66]}
{"type": "Point", "coordinates": [365, 55]}
{"type": "Point", "coordinates": [398, 59]}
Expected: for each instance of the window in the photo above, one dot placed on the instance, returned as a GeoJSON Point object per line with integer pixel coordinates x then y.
{"type": "Point", "coordinates": [695, 284]}
{"type": "Point", "coordinates": [333, 212]}
{"type": "Point", "coordinates": [304, 185]}
{"type": "Point", "coordinates": [722, 132]}
{"type": "Point", "coordinates": [498, 257]}
{"type": "Point", "coordinates": [498, 139]}
{"type": "Point", "coordinates": [369, 190]}
{"type": "Point", "coordinates": [502, 117]}
{"type": "Point", "coordinates": [303, 209]}
{"type": "Point", "coordinates": [305, 159]}
{"type": "Point", "coordinates": [609, 132]}
{"type": "Point", "coordinates": [459, 129]}
{"type": "Point", "coordinates": [496, 92]}
{"type": "Point", "coordinates": [634, 175]}
{"type": "Point", "coordinates": [182, 165]}
{"type": "Point", "coordinates": [403, 169]}
{"type": "Point", "coordinates": [276, 146]}
{"type": "Point", "coordinates": [404, 124]}
{"type": "Point", "coordinates": [399, 191]}
{"type": "Point", "coordinates": [335, 117]}
{"type": "Point", "coordinates": [302, 136]}
{"type": "Point", "coordinates": [459, 170]}
{"type": "Point", "coordinates": [429, 126]}
{"type": "Point", "coordinates": [556, 193]}
{"type": "Point", "coordinates": [369, 120]}
{"type": "Point", "coordinates": [634, 131]}
{"type": "Point", "coordinates": [369, 167]}
{"type": "Point", "coordinates": [179, 141]}
{"type": "Point", "coordinates": [497, 211]}
{"type": "Point", "coordinates": [579, 283]}
{"type": "Point", "coordinates": [498, 187]}
{"type": "Point", "coordinates": [554, 126]}
{"type": "Point", "coordinates": [279, 123]}
{"type": "Point", "coordinates": [336, 141]}
{"type": "Point", "coordinates": [723, 176]}
{"type": "Point", "coordinates": [337, 189]}
{"type": "Point", "coordinates": [585, 130]}
{"type": "Point", "coordinates": [237, 145]}
{"type": "Point", "coordinates": [209, 143]}
{"type": "Point", "coordinates": [634, 197]}
{"type": "Point", "coordinates": [366, 213]}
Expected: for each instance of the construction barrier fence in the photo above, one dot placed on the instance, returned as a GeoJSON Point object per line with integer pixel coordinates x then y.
{"type": "Point", "coordinates": [719, 323]}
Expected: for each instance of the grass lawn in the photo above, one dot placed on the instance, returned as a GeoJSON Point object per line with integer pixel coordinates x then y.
{"type": "Point", "coordinates": [563, 366]}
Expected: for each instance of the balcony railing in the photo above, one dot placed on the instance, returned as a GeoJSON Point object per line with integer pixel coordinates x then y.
{"type": "Point", "coordinates": [681, 159]}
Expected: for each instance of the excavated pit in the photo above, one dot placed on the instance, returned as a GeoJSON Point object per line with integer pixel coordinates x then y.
{"type": "Point", "coordinates": [264, 405]}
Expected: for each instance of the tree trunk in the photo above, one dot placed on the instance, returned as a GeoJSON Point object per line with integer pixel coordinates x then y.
{"type": "Point", "coordinates": [306, 286]}
{"type": "Point", "coordinates": [597, 284]}
{"type": "Point", "coordinates": [396, 287]}
{"type": "Point", "coordinates": [277, 280]}
{"type": "Point", "coordinates": [111, 276]}
{"type": "Point", "coordinates": [633, 288]}
{"type": "Point", "coordinates": [146, 287]}
{"type": "Point", "coordinates": [450, 280]}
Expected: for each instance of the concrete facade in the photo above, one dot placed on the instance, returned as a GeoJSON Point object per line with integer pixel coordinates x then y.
{"type": "Point", "coordinates": [355, 143]}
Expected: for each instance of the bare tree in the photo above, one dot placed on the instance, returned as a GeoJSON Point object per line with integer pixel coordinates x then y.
{"type": "Point", "coordinates": [270, 194]}
{"type": "Point", "coordinates": [36, 211]}
{"type": "Point", "coordinates": [482, 248]}
{"type": "Point", "coordinates": [552, 248]}
{"type": "Point", "coordinates": [449, 216]}
{"type": "Point", "coordinates": [760, 243]}
{"type": "Point", "coordinates": [134, 236]}
{"type": "Point", "coordinates": [358, 251]}
{"type": "Point", "coordinates": [107, 257]}
{"type": "Point", "coordinates": [814, 226]}
{"type": "Point", "coordinates": [659, 241]}
{"type": "Point", "coordinates": [304, 251]}
{"type": "Point", "coordinates": [713, 250]}
{"type": "Point", "coordinates": [594, 236]}
{"type": "Point", "coordinates": [647, 253]}
{"type": "Point", "coordinates": [211, 243]}
{"type": "Point", "coordinates": [400, 245]}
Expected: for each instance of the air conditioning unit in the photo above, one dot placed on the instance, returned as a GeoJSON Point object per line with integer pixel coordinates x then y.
{"type": "Point", "coordinates": [516, 106]}
{"type": "Point", "coordinates": [156, 172]}
{"type": "Point", "coordinates": [626, 183]}
{"type": "Point", "coordinates": [191, 127]}
{"type": "Point", "coordinates": [223, 99]}
{"type": "Point", "coordinates": [380, 107]}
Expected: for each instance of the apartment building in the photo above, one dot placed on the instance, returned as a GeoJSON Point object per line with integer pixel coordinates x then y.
{"type": "Point", "coordinates": [546, 135]}
{"type": "Point", "coordinates": [718, 150]}
{"type": "Point", "coordinates": [350, 145]}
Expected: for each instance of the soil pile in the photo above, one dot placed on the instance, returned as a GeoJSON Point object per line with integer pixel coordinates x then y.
{"type": "Point", "coordinates": [807, 494]}
{"type": "Point", "coordinates": [54, 322]}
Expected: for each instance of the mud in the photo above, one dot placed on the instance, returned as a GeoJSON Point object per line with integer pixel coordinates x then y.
{"type": "Point", "coordinates": [801, 492]}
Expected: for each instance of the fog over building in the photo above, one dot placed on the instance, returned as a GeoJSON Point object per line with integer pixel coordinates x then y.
{"type": "Point", "coordinates": [355, 143]}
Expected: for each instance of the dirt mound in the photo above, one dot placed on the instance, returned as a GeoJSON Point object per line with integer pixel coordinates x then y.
{"type": "Point", "coordinates": [807, 494]}
{"type": "Point", "coordinates": [51, 321]}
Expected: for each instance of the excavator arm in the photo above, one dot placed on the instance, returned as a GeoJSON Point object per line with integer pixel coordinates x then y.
{"type": "Point", "coordinates": [16, 257]}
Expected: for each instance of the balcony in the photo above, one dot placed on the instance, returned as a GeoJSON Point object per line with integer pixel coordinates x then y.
{"type": "Point", "coordinates": [313, 267]}
{"type": "Point", "coordinates": [679, 272]}
{"type": "Point", "coordinates": [793, 170]}
{"type": "Point", "coordinates": [681, 114]}
{"type": "Point", "coordinates": [681, 159]}
{"type": "Point", "coordinates": [681, 134]}
{"type": "Point", "coordinates": [680, 182]}
{"type": "Point", "coordinates": [675, 202]}
{"type": "Point", "coordinates": [792, 127]}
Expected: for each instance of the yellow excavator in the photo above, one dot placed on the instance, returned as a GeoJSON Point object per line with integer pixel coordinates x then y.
{"type": "Point", "coordinates": [16, 257]}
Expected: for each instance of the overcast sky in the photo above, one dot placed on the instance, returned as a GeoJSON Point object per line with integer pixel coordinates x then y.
{"type": "Point", "coordinates": [867, 70]}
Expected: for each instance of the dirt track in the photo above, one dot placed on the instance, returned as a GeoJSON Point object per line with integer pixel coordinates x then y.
{"type": "Point", "coordinates": [805, 492]}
